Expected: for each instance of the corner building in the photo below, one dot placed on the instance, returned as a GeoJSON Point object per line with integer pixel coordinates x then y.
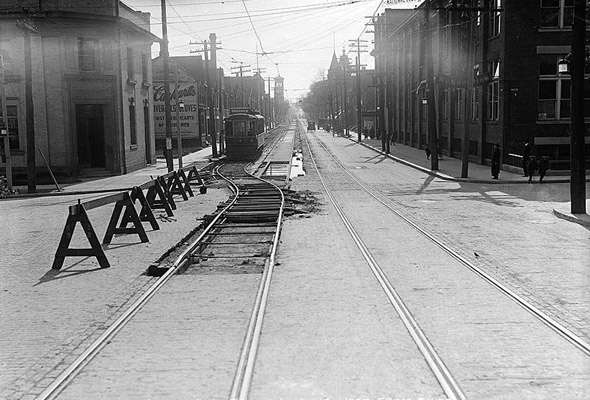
{"type": "Point", "coordinates": [495, 76]}
{"type": "Point", "coordinates": [91, 85]}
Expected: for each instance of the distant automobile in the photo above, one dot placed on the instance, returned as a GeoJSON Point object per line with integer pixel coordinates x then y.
{"type": "Point", "coordinates": [311, 126]}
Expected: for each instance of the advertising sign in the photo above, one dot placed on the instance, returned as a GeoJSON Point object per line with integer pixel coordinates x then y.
{"type": "Point", "coordinates": [185, 92]}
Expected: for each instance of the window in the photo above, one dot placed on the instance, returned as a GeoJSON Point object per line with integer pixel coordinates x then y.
{"type": "Point", "coordinates": [132, 121]}
{"type": "Point", "coordinates": [13, 134]}
{"type": "Point", "coordinates": [494, 92]}
{"type": "Point", "coordinates": [495, 18]}
{"type": "Point", "coordinates": [446, 103]}
{"type": "Point", "coordinates": [87, 54]}
{"type": "Point", "coordinates": [474, 104]}
{"type": "Point", "coordinates": [130, 65]}
{"type": "Point", "coordinates": [557, 13]}
{"type": "Point", "coordinates": [460, 104]}
{"type": "Point", "coordinates": [554, 90]}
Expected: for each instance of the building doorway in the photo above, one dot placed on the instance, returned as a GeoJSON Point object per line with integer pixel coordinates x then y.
{"type": "Point", "coordinates": [91, 136]}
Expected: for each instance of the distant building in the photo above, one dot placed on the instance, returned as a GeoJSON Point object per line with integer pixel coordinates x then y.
{"type": "Point", "coordinates": [515, 92]}
{"type": "Point", "coordinates": [91, 84]}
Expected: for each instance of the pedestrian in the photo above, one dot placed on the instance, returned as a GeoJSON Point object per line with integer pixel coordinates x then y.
{"type": "Point", "coordinates": [496, 154]}
{"type": "Point", "coordinates": [366, 132]}
{"type": "Point", "coordinates": [427, 150]}
{"type": "Point", "coordinates": [531, 167]}
{"type": "Point", "coordinates": [543, 167]}
{"type": "Point", "coordinates": [526, 155]}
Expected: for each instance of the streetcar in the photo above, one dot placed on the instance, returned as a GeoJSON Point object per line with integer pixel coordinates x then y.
{"type": "Point", "coordinates": [245, 132]}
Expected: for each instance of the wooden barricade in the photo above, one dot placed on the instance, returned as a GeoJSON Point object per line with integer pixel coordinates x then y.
{"type": "Point", "coordinates": [126, 207]}
{"type": "Point", "coordinates": [193, 175]}
{"type": "Point", "coordinates": [185, 182]}
{"type": "Point", "coordinates": [77, 213]}
{"type": "Point", "coordinates": [175, 185]}
{"type": "Point", "coordinates": [160, 192]}
{"type": "Point", "coordinates": [146, 213]}
{"type": "Point", "coordinates": [158, 198]}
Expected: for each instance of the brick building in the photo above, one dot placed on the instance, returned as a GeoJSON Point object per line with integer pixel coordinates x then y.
{"type": "Point", "coordinates": [91, 85]}
{"type": "Point", "coordinates": [495, 76]}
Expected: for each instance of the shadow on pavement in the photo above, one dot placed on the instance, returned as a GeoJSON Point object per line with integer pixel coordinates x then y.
{"type": "Point", "coordinates": [67, 272]}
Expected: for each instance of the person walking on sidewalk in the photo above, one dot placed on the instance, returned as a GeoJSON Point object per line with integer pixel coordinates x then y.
{"type": "Point", "coordinates": [526, 155]}
{"type": "Point", "coordinates": [543, 167]}
{"type": "Point", "coordinates": [531, 167]}
{"type": "Point", "coordinates": [428, 152]}
{"type": "Point", "coordinates": [496, 154]}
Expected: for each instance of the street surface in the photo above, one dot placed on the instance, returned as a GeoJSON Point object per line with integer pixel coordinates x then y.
{"type": "Point", "coordinates": [330, 332]}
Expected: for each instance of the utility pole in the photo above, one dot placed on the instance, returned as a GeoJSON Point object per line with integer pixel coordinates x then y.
{"type": "Point", "coordinates": [4, 128]}
{"type": "Point", "coordinates": [30, 109]}
{"type": "Point", "coordinates": [178, 132]}
{"type": "Point", "coordinates": [239, 71]}
{"type": "Point", "coordinates": [577, 143]}
{"type": "Point", "coordinates": [359, 103]}
{"type": "Point", "coordinates": [167, 115]}
{"type": "Point", "coordinates": [212, 83]}
{"type": "Point", "coordinates": [270, 105]}
{"type": "Point", "coordinates": [432, 133]}
{"type": "Point", "coordinates": [209, 91]}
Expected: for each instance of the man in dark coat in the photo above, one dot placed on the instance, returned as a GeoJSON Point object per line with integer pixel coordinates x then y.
{"type": "Point", "coordinates": [543, 167]}
{"type": "Point", "coordinates": [526, 155]}
{"type": "Point", "coordinates": [531, 167]}
{"type": "Point", "coordinates": [496, 154]}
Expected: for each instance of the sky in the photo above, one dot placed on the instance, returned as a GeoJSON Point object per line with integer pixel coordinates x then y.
{"type": "Point", "coordinates": [293, 39]}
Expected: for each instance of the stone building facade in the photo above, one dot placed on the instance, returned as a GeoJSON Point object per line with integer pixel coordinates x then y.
{"type": "Point", "coordinates": [495, 76]}
{"type": "Point", "coordinates": [91, 85]}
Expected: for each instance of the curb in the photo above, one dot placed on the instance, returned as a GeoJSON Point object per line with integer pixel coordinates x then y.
{"type": "Point", "coordinates": [452, 178]}
{"type": "Point", "coordinates": [573, 218]}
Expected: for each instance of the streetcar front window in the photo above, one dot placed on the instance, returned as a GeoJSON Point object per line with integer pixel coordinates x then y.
{"type": "Point", "coordinates": [229, 131]}
{"type": "Point", "coordinates": [239, 128]}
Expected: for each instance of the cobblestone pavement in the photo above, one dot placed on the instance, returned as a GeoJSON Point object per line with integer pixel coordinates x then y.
{"type": "Point", "coordinates": [505, 227]}
{"type": "Point", "coordinates": [509, 230]}
{"type": "Point", "coordinates": [308, 347]}
{"type": "Point", "coordinates": [48, 317]}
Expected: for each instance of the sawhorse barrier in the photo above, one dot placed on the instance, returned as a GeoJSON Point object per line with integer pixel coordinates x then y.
{"type": "Point", "coordinates": [160, 192]}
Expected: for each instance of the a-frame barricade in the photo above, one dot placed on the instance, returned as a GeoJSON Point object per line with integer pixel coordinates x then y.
{"type": "Point", "coordinates": [169, 196]}
{"type": "Point", "coordinates": [193, 175]}
{"type": "Point", "coordinates": [77, 214]}
{"type": "Point", "coordinates": [125, 206]}
{"type": "Point", "coordinates": [186, 185]}
{"type": "Point", "coordinates": [157, 198]}
{"type": "Point", "coordinates": [145, 214]}
{"type": "Point", "coordinates": [175, 185]}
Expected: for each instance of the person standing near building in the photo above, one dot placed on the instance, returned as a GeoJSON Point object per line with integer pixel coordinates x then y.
{"type": "Point", "coordinates": [531, 167]}
{"type": "Point", "coordinates": [496, 155]}
{"type": "Point", "coordinates": [526, 155]}
{"type": "Point", "coordinates": [543, 167]}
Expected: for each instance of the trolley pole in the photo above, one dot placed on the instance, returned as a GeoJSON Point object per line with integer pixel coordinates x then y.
{"type": "Point", "coordinates": [167, 114]}
{"type": "Point", "coordinates": [577, 141]}
{"type": "Point", "coordinates": [432, 133]}
{"type": "Point", "coordinates": [29, 107]}
{"type": "Point", "coordinates": [4, 127]}
{"type": "Point", "coordinates": [178, 132]}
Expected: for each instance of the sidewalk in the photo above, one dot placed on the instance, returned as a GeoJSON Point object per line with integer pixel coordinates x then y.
{"type": "Point", "coordinates": [118, 182]}
{"type": "Point", "coordinates": [49, 316]}
{"type": "Point", "coordinates": [450, 169]}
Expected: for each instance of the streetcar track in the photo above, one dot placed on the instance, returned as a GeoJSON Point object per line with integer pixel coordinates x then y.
{"type": "Point", "coordinates": [435, 363]}
{"type": "Point", "coordinates": [528, 306]}
{"type": "Point", "coordinates": [243, 376]}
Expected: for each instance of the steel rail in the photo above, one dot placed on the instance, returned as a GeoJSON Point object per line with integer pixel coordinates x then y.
{"type": "Point", "coordinates": [245, 368]}
{"type": "Point", "coordinates": [436, 364]}
{"type": "Point", "coordinates": [59, 383]}
{"type": "Point", "coordinates": [540, 315]}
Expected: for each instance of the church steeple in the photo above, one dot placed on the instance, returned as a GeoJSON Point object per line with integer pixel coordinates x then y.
{"type": "Point", "coordinates": [334, 65]}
